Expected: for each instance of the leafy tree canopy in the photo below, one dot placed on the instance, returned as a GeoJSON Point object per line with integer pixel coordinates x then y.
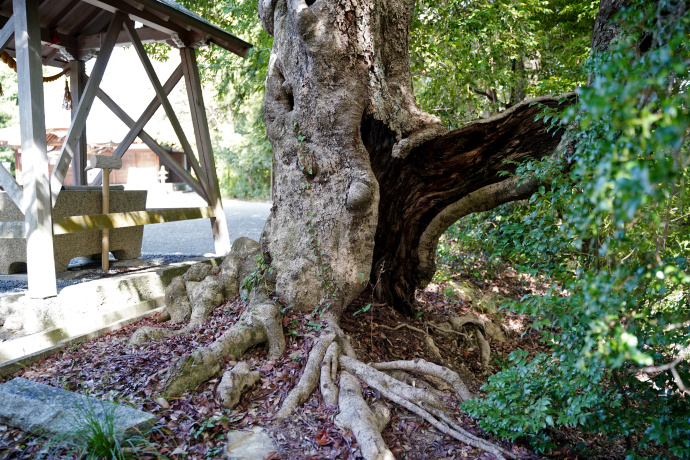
{"type": "Point", "coordinates": [469, 59]}
{"type": "Point", "coordinates": [243, 153]}
{"type": "Point", "coordinates": [474, 58]}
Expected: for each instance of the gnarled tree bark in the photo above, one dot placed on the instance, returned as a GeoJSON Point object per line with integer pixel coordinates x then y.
{"type": "Point", "coordinates": [361, 170]}
{"type": "Point", "coordinates": [422, 194]}
{"type": "Point", "coordinates": [366, 183]}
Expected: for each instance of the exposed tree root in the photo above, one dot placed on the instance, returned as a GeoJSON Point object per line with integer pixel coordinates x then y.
{"type": "Point", "coordinates": [421, 366]}
{"type": "Point", "coordinates": [444, 417]}
{"type": "Point", "coordinates": [400, 326]}
{"type": "Point", "coordinates": [235, 382]}
{"type": "Point", "coordinates": [458, 324]}
{"type": "Point", "coordinates": [190, 300]}
{"type": "Point", "coordinates": [260, 323]}
{"type": "Point", "coordinates": [333, 350]}
{"type": "Point", "coordinates": [398, 397]}
{"type": "Point", "coordinates": [355, 415]}
{"type": "Point", "coordinates": [382, 381]}
{"type": "Point", "coordinates": [429, 383]}
{"type": "Point", "coordinates": [484, 348]}
{"type": "Point", "coordinates": [192, 296]}
{"type": "Point", "coordinates": [310, 377]}
{"type": "Point", "coordinates": [329, 371]}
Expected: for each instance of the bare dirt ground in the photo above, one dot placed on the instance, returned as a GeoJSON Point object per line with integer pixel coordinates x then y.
{"type": "Point", "coordinates": [193, 425]}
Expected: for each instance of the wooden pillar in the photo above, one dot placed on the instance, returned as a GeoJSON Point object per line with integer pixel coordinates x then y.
{"type": "Point", "coordinates": [37, 206]}
{"type": "Point", "coordinates": [106, 163]}
{"type": "Point", "coordinates": [77, 80]}
{"type": "Point", "coordinates": [105, 233]}
{"type": "Point", "coordinates": [221, 237]}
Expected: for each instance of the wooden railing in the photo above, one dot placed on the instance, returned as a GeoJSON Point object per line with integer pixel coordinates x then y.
{"type": "Point", "coordinates": [74, 224]}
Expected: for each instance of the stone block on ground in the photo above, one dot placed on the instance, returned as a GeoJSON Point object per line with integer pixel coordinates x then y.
{"type": "Point", "coordinates": [42, 409]}
{"type": "Point", "coordinates": [246, 445]}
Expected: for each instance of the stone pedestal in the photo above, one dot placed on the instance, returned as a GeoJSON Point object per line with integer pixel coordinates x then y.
{"type": "Point", "coordinates": [125, 243]}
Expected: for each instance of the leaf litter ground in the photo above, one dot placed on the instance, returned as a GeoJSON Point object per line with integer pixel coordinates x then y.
{"type": "Point", "coordinates": [193, 425]}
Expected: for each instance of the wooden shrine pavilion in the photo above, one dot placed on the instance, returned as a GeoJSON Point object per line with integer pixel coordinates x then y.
{"type": "Point", "coordinates": [65, 34]}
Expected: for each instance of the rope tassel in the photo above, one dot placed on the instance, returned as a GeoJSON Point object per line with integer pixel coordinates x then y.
{"type": "Point", "coordinates": [67, 101]}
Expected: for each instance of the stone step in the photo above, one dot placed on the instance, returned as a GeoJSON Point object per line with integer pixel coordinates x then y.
{"type": "Point", "coordinates": [79, 309]}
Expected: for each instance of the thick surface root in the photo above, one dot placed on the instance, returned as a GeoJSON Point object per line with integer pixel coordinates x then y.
{"type": "Point", "coordinates": [329, 371]}
{"type": "Point", "coordinates": [331, 359]}
{"type": "Point", "coordinates": [260, 323]}
{"type": "Point", "coordinates": [421, 366]}
{"type": "Point", "coordinates": [380, 381]}
{"type": "Point", "coordinates": [398, 395]}
{"type": "Point", "coordinates": [235, 382]}
{"type": "Point", "coordinates": [333, 351]}
{"type": "Point", "coordinates": [310, 377]}
{"type": "Point", "coordinates": [191, 297]}
{"type": "Point", "coordinates": [485, 349]}
{"type": "Point", "coordinates": [460, 322]}
{"type": "Point", "coordinates": [355, 415]}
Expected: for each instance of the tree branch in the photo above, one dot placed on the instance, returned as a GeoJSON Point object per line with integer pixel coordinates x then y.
{"type": "Point", "coordinates": [440, 173]}
{"type": "Point", "coordinates": [481, 93]}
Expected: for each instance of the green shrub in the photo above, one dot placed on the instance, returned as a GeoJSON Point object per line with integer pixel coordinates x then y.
{"type": "Point", "coordinates": [611, 230]}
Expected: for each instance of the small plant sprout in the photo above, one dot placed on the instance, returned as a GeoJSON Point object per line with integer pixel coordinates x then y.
{"type": "Point", "coordinates": [96, 436]}
{"type": "Point", "coordinates": [363, 309]}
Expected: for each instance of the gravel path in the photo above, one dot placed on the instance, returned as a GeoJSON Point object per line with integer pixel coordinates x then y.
{"type": "Point", "coordinates": [193, 237]}
{"type": "Point", "coordinates": [167, 243]}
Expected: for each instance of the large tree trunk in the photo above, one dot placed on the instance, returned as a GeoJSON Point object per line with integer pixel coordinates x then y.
{"type": "Point", "coordinates": [361, 172]}
{"type": "Point", "coordinates": [366, 183]}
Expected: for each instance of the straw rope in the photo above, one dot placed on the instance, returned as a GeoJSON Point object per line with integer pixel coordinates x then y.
{"type": "Point", "coordinates": [12, 64]}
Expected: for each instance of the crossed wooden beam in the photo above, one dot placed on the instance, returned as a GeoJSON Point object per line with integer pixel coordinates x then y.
{"type": "Point", "coordinates": [40, 192]}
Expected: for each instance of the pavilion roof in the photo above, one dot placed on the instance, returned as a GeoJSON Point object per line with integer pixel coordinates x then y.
{"type": "Point", "coordinates": [75, 28]}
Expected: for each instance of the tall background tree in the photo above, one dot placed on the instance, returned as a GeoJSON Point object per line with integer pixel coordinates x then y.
{"type": "Point", "coordinates": [473, 59]}
{"type": "Point", "coordinates": [242, 151]}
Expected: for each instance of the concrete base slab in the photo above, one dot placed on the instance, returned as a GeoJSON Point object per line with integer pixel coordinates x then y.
{"type": "Point", "coordinates": [42, 409]}
{"type": "Point", "coordinates": [33, 325]}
